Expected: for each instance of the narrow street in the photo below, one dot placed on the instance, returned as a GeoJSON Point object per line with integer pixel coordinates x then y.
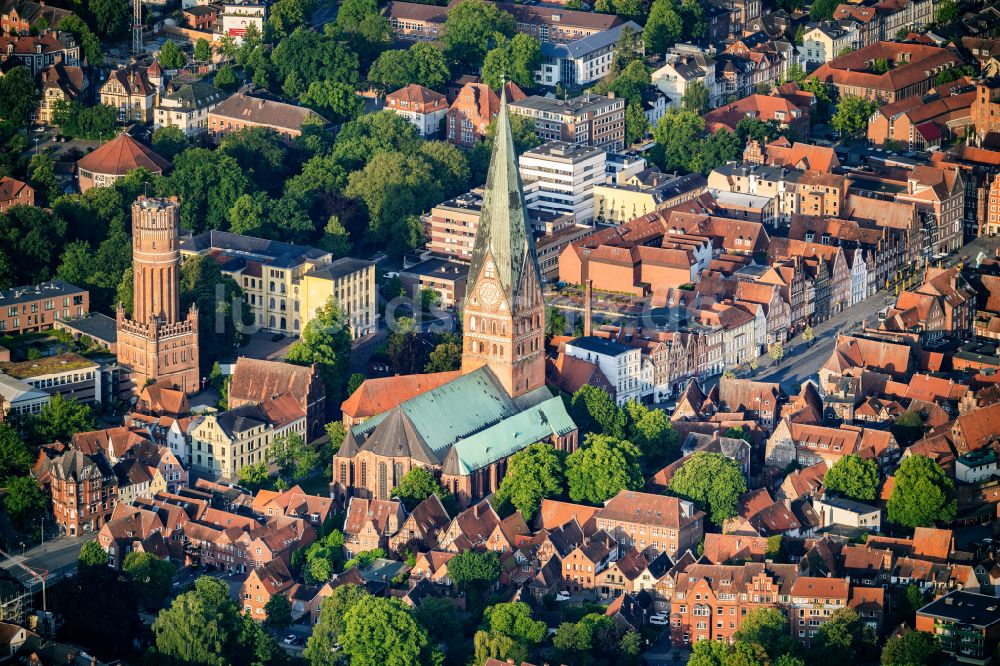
{"type": "Point", "coordinates": [56, 557]}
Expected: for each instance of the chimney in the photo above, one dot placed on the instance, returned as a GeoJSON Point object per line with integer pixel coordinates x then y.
{"type": "Point", "coordinates": [588, 314]}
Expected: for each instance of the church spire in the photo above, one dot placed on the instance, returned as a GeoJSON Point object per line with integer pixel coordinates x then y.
{"type": "Point", "coordinates": [503, 233]}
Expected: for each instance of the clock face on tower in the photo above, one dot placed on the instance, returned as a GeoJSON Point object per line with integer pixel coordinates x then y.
{"type": "Point", "coordinates": [489, 295]}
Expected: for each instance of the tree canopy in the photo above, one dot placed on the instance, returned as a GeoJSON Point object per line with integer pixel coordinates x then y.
{"type": "Point", "coordinates": [601, 468]}
{"type": "Point", "coordinates": [533, 474]}
{"type": "Point", "coordinates": [417, 485]}
{"type": "Point", "coordinates": [713, 482]}
{"type": "Point", "coordinates": [923, 494]}
{"type": "Point", "coordinates": [325, 341]}
{"type": "Point", "coordinates": [471, 30]}
{"type": "Point", "coordinates": [853, 477]}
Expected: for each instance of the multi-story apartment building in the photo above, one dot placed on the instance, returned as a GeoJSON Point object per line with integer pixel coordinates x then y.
{"type": "Point", "coordinates": [985, 109]}
{"type": "Point", "coordinates": [560, 178]}
{"type": "Point", "coordinates": [60, 83]}
{"type": "Point", "coordinates": [34, 308]}
{"type": "Point", "coordinates": [913, 69]}
{"type": "Point", "coordinates": [134, 91]}
{"type": "Point", "coordinates": [223, 444]}
{"type": "Point", "coordinates": [822, 42]}
{"type": "Point", "coordinates": [14, 192]}
{"type": "Point", "coordinates": [421, 106]}
{"type": "Point", "coordinates": [652, 524]}
{"type": "Point", "coordinates": [581, 61]}
{"type": "Point", "coordinates": [623, 366]}
{"type": "Point", "coordinates": [243, 110]}
{"type": "Point", "coordinates": [412, 22]}
{"type": "Point", "coordinates": [593, 120]}
{"type": "Point", "coordinates": [778, 183]}
{"type": "Point", "coordinates": [238, 16]}
{"type": "Point", "coordinates": [472, 111]}
{"type": "Point", "coordinates": [256, 380]}
{"type": "Point", "coordinates": [632, 195]}
{"type": "Point", "coordinates": [285, 284]}
{"type": "Point", "coordinates": [40, 51]}
{"type": "Point", "coordinates": [939, 197]}
{"type": "Point", "coordinates": [84, 492]}
{"type": "Point", "coordinates": [187, 107]}
{"type": "Point", "coordinates": [684, 67]}
{"type": "Point", "coordinates": [966, 625]}
{"type": "Point", "coordinates": [18, 17]}
{"type": "Point", "coordinates": [991, 220]}
{"type": "Point", "coordinates": [814, 600]}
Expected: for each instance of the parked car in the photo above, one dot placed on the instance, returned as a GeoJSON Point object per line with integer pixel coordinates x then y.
{"type": "Point", "coordinates": [660, 619]}
{"type": "Point", "coordinates": [290, 639]}
{"type": "Point", "coordinates": [277, 336]}
{"type": "Point", "coordinates": [562, 595]}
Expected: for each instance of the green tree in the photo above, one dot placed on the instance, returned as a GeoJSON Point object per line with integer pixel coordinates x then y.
{"type": "Point", "coordinates": [336, 239]}
{"type": "Point", "coordinates": [92, 555]}
{"type": "Point", "coordinates": [853, 477]}
{"type": "Point", "coordinates": [417, 485]}
{"type": "Point", "coordinates": [149, 575]}
{"type": "Point", "coordinates": [88, 41]}
{"type": "Point", "coordinates": [844, 638]}
{"type": "Point", "coordinates": [219, 300]}
{"type": "Point", "coordinates": [380, 631]}
{"type": "Point", "coordinates": [916, 598]}
{"type": "Point", "coordinates": [947, 12]}
{"type": "Point", "coordinates": [278, 612]}
{"type": "Point", "coordinates": [879, 66]}
{"type": "Point", "coordinates": [853, 115]}
{"type": "Point", "coordinates": [332, 619]}
{"type": "Point", "coordinates": [315, 56]}
{"type": "Point", "coordinates": [437, 616]}
{"type": "Point", "coordinates": [326, 342]}
{"type": "Point", "coordinates": [533, 474]}
{"type": "Point", "coordinates": [423, 63]}
{"type": "Point", "coordinates": [354, 382]}
{"type": "Point", "coordinates": [908, 428]}
{"type": "Point", "coordinates": [713, 482]}
{"type": "Point", "coordinates": [636, 123]}
{"type": "Point", "coordinates": [678, 132]}
{"type": "Point", "coordinates": [169, 141]}
{"type": "Point", "coordinates": [470, 31]}
{"type": "Point", "coordinates": [287, 15]}
{"type": "Point", "coordinates": [202, 51]}
{"type": "Point", "coordinates": [85, 122]}
{"type": "Point", "coordinates": [693, 15]}
{"type": "Point", "coordinates": [594, 410]}
{"type": "Point", "coordinates": [808, 334]}
{"type": "Point", "coordinates": [602, 468]}
{"type": "Point", "coordinates": [225, 78]}
{"type": "Point", "coordinates": [60, 419]}
{"type": "Point", "coordinates": [15, 459]}
{"type": "Point", "coordinates": [912, 648]}
{"type": "Point", "coordinates": [337, 102]}
{"type": "Point", "coordinates": [171, 57]}
{"type": "Point", "coordinates": [294, 457]}
{"type": "Point", "coordinates": [474, 570]}
{"type": "Point", "coordinates": [777, 352]}
{"type": "Point", "coordinates": [923, 494]}
{"type": "Point", "coordinates": [254, 476]}
{"type": "Point", "coordinates": [654, 434]}
{"type": "Point", "coordinates": [110, 17]}
{"type": "Point", "coordinates": [98, 606]}
{"type": "Point", "coordinates": [695, 98]}
{"type": "Point", "coordinates": [822, 10]}
{"type": "Point", "coordinates": [445, 357]}
{"type": "Point", "coordinates": [664, 26]}
{"type": "Point", "coordinates": [42, 176]}
{"type": "Point", "coordinates": [29, 238]}
{"type": "Point", "coordinates": [200, 627]}
{"type": "Point", "coordinates": [514, 59]}
{"type": "Point", "coordinates": [207, 183]}
{"type": "Point", "coordinates": [17, 95]}
{"type": "Point", "coordinates": [767, 627]}
{"type": "Point", "coordinates": [24, 503]}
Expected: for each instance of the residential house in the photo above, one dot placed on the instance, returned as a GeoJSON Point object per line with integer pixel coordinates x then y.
{"type": "Point", "coordinates": [651, 523]}
{"type": "Point", "coordinates": [423, 107]}
{"type": "Point", "coordinates": [370, 523]}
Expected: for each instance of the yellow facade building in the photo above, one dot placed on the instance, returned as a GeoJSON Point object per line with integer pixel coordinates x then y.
{"type": "Point", "coordinates": [285, 284]}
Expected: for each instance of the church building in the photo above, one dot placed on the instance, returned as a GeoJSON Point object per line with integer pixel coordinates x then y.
{"type": "Point", "coordinates": [465, 430]}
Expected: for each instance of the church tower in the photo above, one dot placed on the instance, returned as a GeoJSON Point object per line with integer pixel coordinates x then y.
{"type": "Point", "coordinates": [157, 343]}
{"type": "Point", "coordinates": [504, 315]}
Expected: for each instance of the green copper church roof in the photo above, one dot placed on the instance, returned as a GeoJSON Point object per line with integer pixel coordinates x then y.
{"type": "Point", "coordinates": [503, 223]}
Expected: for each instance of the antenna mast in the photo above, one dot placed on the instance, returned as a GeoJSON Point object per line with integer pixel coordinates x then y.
{"type": "Point", "coordinates": [136, 27]}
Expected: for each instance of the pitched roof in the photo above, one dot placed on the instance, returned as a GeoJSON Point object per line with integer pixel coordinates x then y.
{"type": "Point", "coordinates": [932, 543]}
{"type": "Point", "coordinates": [725, 548]}
{"type": "Point", "coordinates": [630, 506]}
{"type": "Point", "coordinates": [415, 94]}
{"type": "Point", "coordinates": [554, 514]}
{"type": "Point", "coordinates": [826, 588]}
{"type": "Point", "coordinates": [121, 155]}
{"type": "Point", "coordinates": [267, 112]}
{"type": "Point", "coordinates": [256, 380]}
{"type": "Point", "coordinates": [380, 394]}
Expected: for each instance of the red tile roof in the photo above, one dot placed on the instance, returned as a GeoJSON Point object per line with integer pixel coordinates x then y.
{"type": "Point", "coordinates": [121, 155]}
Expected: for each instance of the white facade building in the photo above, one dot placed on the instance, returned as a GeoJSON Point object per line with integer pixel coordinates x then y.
{"type": "Point", "coordinates": [684, 66]}
{"type": "Point", "coordinates": [581, 62]}
{"type": "Point", "coordinates": [976, 466]}
{"type": "Point", "coordinates": [622, 365]}
{"type": "Point", "coordinates": [187, 107]}
{"type": "Point", "coordinates": [236, 17]}
{"type": "Point", "coordinates": [560, 177]}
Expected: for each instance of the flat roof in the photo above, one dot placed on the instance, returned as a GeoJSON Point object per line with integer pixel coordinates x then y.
{"type": "Point", "coordinates": [561, 150]}
{"type": "Point", "coordinates": [439, 267]}
{"type": "Point", "coordinates": [95, 325]}
{"type": "Point", "coordinates": [28, 293]}
{"type": "Point", "coordinates": [978, 610]}
{"type": "Point", "coordinates": [598, 345]}
{"type": "Point", "coordinates": [48, 365]}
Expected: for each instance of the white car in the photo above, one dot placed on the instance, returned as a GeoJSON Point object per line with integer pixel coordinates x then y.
{"type": "Point", "coordinates": [660, 619]}
{"type": "Point", "coordinates": [289, 639]}
{"type": "Point", "coordinates": [562, 596]}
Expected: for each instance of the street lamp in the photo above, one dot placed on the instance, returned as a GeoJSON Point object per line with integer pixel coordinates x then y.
{"type": "Point", "coordinates": [36, 145]}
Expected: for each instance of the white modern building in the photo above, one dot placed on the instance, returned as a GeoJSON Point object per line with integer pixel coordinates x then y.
{"type": "Point", "coordinates": [238, 16]}
{"type": "Point", "coordinates": [685, 65]}
{"type": "Point", "coordinates": [187, 107]}
{"type": "Point", "coordinates": [622, 365]}
{"type": "Point", "coordinates": [976, 466]}
{"type": "Point", "coordinates": [584, 61]}
{"type": "Point", "coordinates": [560, 177]}
{"type": "Point", "coordinates": [823, 41]}
{"type": "Point", "coordinates": [842, 512]}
